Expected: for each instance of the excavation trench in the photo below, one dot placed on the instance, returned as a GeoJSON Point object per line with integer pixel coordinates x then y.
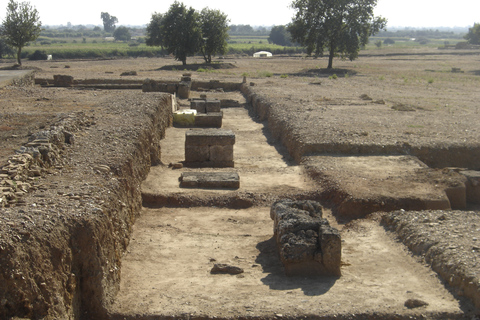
{"type": "Point", "coordinates": [183, 232]}
{"type": "Point", "coordinates": [165, 250]}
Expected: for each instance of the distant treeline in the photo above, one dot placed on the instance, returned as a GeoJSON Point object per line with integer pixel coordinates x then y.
{"type": "Point", "coordinates": [424, 33]}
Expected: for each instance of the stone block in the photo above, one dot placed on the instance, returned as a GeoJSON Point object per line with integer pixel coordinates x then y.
{"type": "Point", "coordinates": [197, 153]}
{"type": "Point", "coordinates": [209, 120]}
{"type": "Point", "coordinates": [307, 244]}
{"type": "Point", "coordinates": [209, 137]}
{"type": "Point", "coordinates": [183, 90]}
{"type": "Point", "coordinates": [221, 153]}
{"type": "Point", "coordinates": [199, 105]}
{"type": "Point", "coordinates": [210, 180]}
{"type": "Point", "coordinates": [212, 105]}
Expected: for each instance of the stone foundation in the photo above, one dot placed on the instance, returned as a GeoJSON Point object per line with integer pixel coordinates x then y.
{"type": "Point", "coordinates": [210, 180]}
{"type": "Point", "coordinates": [307, 244]}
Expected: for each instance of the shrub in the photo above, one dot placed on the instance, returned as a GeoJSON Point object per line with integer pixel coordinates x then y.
{"type": "Point", "coordinates": [38, 55]}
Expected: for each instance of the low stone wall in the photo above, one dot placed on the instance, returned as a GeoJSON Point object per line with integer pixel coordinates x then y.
{"type": "Point", "coordinates": [307, 244]}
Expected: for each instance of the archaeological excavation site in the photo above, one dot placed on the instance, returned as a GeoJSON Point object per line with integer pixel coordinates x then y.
{"type": "Point", "coordinates": [132, 191]}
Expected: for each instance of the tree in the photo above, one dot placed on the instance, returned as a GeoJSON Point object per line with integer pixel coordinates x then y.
{"type": "Point", "coordinates": [178, 31]}
{"type": "Point", "coordinates": [122, 34]}
{"type": "Point", "coordinates": [108, 22]}
{"type": "Point", "coordinates": [473, 35]}
{"type": "Point", "coordinates": [154, 31]}
{"type": "Point", "coordinates": [341, 26]}
{"type": "Point", "coordinates": [214, 26]}
{"type": "Point", "coordinates": [280, 35]}
{"type": "Point", "coordinates": [21, 25]}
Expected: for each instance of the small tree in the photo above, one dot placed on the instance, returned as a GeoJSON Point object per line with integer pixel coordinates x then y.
{"type": "Point", "coordinates": [122, 34]}
{"type": "Point", "coordinates": [473, 35]}
{"type": "Point", "coordinates": [21, 25]}
{"type": "Point", "coordinates": [341, 26]}
{"type": "Point", "coordinates": [280, 35]}
{"type": "Point", "coordinates": [108, 22]}
{"type": "Point", "coordinates": [214, 25]}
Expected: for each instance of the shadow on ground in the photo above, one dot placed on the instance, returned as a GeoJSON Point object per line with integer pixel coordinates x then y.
{"type": "Point", "coordinates": [276, 278]}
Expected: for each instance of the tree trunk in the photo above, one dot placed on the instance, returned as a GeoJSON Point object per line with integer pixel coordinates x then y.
{"type": "Point", "coordinates": [184, 61]}
{"type": "Point", "coordinates": [19, 56]}
{"type": "Point", "coordinates": [330, 56]}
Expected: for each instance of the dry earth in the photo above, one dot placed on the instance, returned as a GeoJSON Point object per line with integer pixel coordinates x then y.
{"type": "Point", "coordinates": [417, 104]}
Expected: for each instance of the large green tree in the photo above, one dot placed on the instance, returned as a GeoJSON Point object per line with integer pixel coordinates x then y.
{"type": "Point", "coordinates": [341, 26]}
{"type": "Point", "coordinates": [178, 31]}
{"type": "Point", "coordinates": [214, 25]}
{"type": "Point", "coordinates": [108, 22]}
{"type": "Point", "coordinates": [473, 35]}
{"type": "Point", "coordinates": [21, 25]}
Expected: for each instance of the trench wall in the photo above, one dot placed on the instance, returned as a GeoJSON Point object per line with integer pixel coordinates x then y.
{"type": "Point", "coordinates": [70, 268]}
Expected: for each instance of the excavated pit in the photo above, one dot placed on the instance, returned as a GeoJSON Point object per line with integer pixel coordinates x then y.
{"type": "Point", "coordinates": [180, 233]}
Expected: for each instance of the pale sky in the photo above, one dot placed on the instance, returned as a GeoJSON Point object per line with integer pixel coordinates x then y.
{"type": "Point", "coordinates": [400, 13]}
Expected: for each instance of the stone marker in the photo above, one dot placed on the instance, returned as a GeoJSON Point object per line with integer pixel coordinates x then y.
{"type": "Point", "coordinates": [307, 244]}
{"type": "Point", "coordinates": [210, 180]}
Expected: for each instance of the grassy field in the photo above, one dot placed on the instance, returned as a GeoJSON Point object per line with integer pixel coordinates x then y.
{"type": "Point", "coordinates": [78, 48]}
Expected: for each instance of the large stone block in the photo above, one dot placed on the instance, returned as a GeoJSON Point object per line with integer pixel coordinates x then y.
{"type": "Point", "coordinates": [212, 105]}
{"type": "Point", "coordinates": [209, 137]}
{"type": "Point", "coordinates": [307, 244]}
{"type": "Point", "coordinates": [199, 105]}
{"type": "Point", "coordinates": [472, 185]}
{"type": "Point", "coordinates": [209, 120]}
{"type": "Point", "coordinates": [219, 144]}
{"type": "Point", "coordinates": [210, 180]}
{"type": "Point", "coordinates": [221, 153]}
{"type": "Point", "coordinates": [197, 153]}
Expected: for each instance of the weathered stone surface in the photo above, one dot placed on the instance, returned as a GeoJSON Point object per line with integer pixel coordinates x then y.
{"type": "Point", "coordinates": [210, 180]}
{"type": "Point", "coordinates": [209, 148]}
{"type": "Point", "coordinates": [208, 137]}
{"type": "Point", "coordinates": [212, 105]}
{"type": "Point", "coordinates": [199, 105]}
{"type": "Point", "coordinates": [194, 153]}
{"type": "Point", "coordinates": [183, 91]}
{"type": "Point", "coordinates": [209, 120]}
{"type": "Point", "coordinates": [307, 244]}
{"type": "Point", "coordinates": [62, 80]}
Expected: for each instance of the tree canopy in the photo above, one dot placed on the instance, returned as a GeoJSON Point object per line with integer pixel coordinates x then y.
{"type": "Point", "coordinates": [473, 35]}
{"type": "Point", "coordinates": [280, 35]}
{"type": "Point", "coordinates": [21, 25]}
{"type": "Point", "coordinates": [184, 32]}
{"type": "Point", "coordinates": [108, 22]}
{"type": "Point", "coordinates": [214, 25]}
{"type": "Point", "coordinates": [122, 34]}
{"type": "Point", "coordinates": [341, 26]}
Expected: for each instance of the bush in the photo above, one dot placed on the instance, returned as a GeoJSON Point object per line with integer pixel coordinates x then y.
{"type": "Point", "coordinates": [388, 41]}
{"type": "Point", "coordinates": [38, 55]}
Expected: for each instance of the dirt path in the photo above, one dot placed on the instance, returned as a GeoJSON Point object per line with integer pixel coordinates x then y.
{"type": "Point", "coordinates": [166, 271]}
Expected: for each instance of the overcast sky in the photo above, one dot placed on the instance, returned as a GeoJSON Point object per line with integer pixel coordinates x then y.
{"type": "Point", "coordinates": [400, 13]}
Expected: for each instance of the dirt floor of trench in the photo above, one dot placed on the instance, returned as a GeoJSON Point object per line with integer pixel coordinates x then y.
{"type": "Point", "coordinates": [166, 270]}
